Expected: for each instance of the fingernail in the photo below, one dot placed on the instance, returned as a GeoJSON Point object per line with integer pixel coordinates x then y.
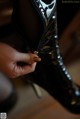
{"type": "Point", "coordinates": [37, 59]}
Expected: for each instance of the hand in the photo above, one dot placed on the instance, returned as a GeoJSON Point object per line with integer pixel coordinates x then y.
{"type": "Point", "coordinates": [9, 58]}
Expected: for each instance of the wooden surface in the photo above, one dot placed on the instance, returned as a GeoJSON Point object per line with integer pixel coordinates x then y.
{"type": "Point", "coordinates": [45, 108]}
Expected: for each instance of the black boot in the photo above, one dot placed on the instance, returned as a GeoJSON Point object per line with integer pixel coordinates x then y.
{"type": "Point", "coordinates": [51, 73]}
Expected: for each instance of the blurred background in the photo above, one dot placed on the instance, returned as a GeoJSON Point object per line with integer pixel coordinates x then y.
{"type": "Point", "coordinates": [34, 102]}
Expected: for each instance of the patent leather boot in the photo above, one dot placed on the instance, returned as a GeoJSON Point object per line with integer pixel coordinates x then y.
{"type": "Point", "coordinates": [51, 73]}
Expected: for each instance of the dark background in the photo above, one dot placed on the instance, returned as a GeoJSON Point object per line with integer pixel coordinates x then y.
{"type": "Point", "coordinates": [65, 13]}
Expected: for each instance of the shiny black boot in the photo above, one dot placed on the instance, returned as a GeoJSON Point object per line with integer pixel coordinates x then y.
{"type": "Point", "coordinates": [51, 73]}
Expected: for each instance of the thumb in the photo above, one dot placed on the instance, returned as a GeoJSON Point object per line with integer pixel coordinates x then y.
{"type": "Point", "coordinates": [28, 58]}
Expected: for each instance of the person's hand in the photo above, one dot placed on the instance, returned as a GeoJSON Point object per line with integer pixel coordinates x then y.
{"type": "Point", "coordinates": [9, 59]}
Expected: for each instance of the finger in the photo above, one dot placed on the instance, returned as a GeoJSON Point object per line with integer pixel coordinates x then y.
{"type": "Point", "coordinates": [37, 59]}
{"type": "Point", "coordinates": [19, 71]}
{"type": "Point", "coordinates": [28, 69]}
{"type": "Point", "coordinates": [28, 58]}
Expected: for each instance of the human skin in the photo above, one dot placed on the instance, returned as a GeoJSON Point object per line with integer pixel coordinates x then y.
{"type": "Point", "coordinates": [9, 58]}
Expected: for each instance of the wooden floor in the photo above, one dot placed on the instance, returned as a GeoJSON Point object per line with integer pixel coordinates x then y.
{"type": "Point", "coordinates": [45, 108]}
